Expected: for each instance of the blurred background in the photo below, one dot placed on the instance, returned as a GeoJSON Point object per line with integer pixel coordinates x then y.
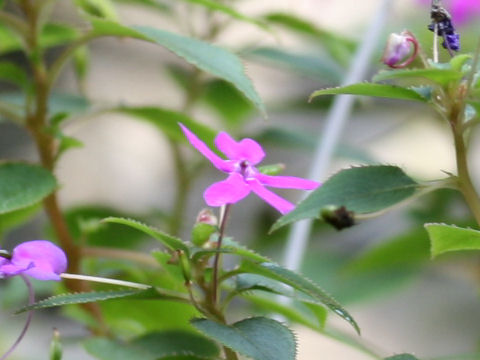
{"type": "Point", "coordinates": [380, 269]}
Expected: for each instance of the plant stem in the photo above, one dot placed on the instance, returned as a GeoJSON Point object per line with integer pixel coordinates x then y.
{"type": "Point", "coordinates": [464, 181]}
{"type": "Point", "coordinates": [31, 300]}
{"type": "Point", "coordinates": [37, 124]}
{"type": "Point", "coordinates": [216, 261]}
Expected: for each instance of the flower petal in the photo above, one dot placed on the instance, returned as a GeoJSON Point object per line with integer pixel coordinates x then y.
{"type": "Point", "coordinates": [217, 161]}
{"type": "Point", "coordinates": [8, 269]}
{"type": "Point", "coordinates": [48, 260]}
{"type": "Point", "coordinates": [246, 149]}
{"type": "Point", "coordinates": [271, 198]}
{"type": "Point", "coordinates": [228, 191]}
{"type": "Point", "coordinates": [287, 182]}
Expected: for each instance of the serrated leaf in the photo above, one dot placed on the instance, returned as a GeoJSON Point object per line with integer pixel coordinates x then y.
{"type": "Point", "coordinates": [209, 58]}
{"type": "Point", "coordinates": [362, 190]}
{"type": "Point", "coordinates": [80, 298]}
{"type": "Point", "coordinates": [171, 242]}
{"type": "Point", "coordinates": [157, 345]}
{"type": "Point", "coordinates": [402, 357]}
{"type": "Point", "coordinates": [22, 185]}
{"type": "Point", "coordinates": [445, 238]}
{"type": "Point", "coordinates": [300, 283]}
{"type": "Point", "coordinates": [167, 122]}
{"type": "Point", "coordinates": [375, 90]}
{"type": "Point", "coordinates": [252, 337]}
{"type": "Point", "coordinates": [438, 76]}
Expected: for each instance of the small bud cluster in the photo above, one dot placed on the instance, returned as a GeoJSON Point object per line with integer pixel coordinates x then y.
{"type": "Point", "coordinates": [442, 25]}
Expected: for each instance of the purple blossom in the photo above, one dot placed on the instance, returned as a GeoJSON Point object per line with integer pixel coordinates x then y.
{"type": "Point", "coordinates": [39, 259]}
{"type": "Point", "coordinates": [243, 176]}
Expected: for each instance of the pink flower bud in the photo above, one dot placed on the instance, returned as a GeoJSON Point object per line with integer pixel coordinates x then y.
{"type": "Point", "coordinates": [398, 51]}
{"type": "Point", "coordinates": [206, 216]}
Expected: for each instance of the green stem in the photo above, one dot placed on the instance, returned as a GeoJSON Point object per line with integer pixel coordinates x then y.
{"type": "Point", "coordinates": [58, 65]}
{"type": "Point", "coordinates": [464, 181]}
{"type": "Point", "coordinates": [37, 123]}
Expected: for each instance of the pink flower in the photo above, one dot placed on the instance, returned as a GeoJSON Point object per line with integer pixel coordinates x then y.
{"type": "Point", "coordinates": [462, 11]}
{"type": "Point", "coordinates": [398, 49]}
{"type": "Point", "coordinates": [39, 259]}
{"type": "Point", "coordinates": [243, 176]}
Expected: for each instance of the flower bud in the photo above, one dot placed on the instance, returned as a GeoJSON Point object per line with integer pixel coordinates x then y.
{"type": "Point", "coordinates": [398, 51]}
{"type": "Point", "coordinates": [206, 216]}
{"type": "Point", "coordinates": [205, 226]}
{"type": "Point", "coordinates": [56, 346]}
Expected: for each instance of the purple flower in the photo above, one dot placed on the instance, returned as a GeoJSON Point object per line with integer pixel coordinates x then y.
{"type": "Point", "coordinates": [39, 259]}
{"type": "Point", "coordinates": [398, 49]}
{"type": "Point", "coordinates": [243, 176]}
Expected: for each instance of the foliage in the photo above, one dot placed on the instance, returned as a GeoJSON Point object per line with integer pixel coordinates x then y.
{"type": "Point", "coordinates": [153, 292]}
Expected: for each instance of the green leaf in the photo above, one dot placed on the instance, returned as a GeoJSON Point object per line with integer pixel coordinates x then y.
{"type": "Point", "coordinates": [338, 47]}
{"type": "Point", "coordinates": [84, 222]}
{"type": "Point", "coordinates": [271, 305]}
{"type": "Point", "coordinates": [80, 298]}
{"type": "Point", "coordinates": [403, 251]}
{"type": "Point", "coordinates": [440, 76]}
{"type": "Point", "coordinates": [310, 65]}
{"type": "Point", "coordinates": [171, 242]}
{"type": "Point", "coordinates": [362, 190]}
{"type": "Point", "coordinates": [153, 4]}
{"type": "Point", "coordinates": [402, 357]}
{"type": "Point", "coordinates": [12, 73]}
{"type": "Point", "coordinates": [300, 283]}
{"type": "Point", "coordinates": [458, 61]}
{"type": "Point", "coordinates": [445, 238]}
{"type": "Point", "coordinates": [54, 34]}
{"type": "Point", "coordinates": [209, 58]}
{"type": "Point", "coordinates": [258, 338]}
{"type": "Point", "coordinates": [167, 122]}
{"type": "Point", "coordinates": [58, 103]}
{"type": "Point", "coordinates": [15, 218]}
{"type": "Point", "coordinates": [100, 8]}
{"type": "Point", "coordinates": [155, 346]}
{"type": "Point", "coordinates": [375, 90]}
{"type": "Point", "coordinates": [222, 97]}
{"type": "Point", "coordinates": [227, 10]}
{"type": "Point", "coordinates": [23, 185]}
